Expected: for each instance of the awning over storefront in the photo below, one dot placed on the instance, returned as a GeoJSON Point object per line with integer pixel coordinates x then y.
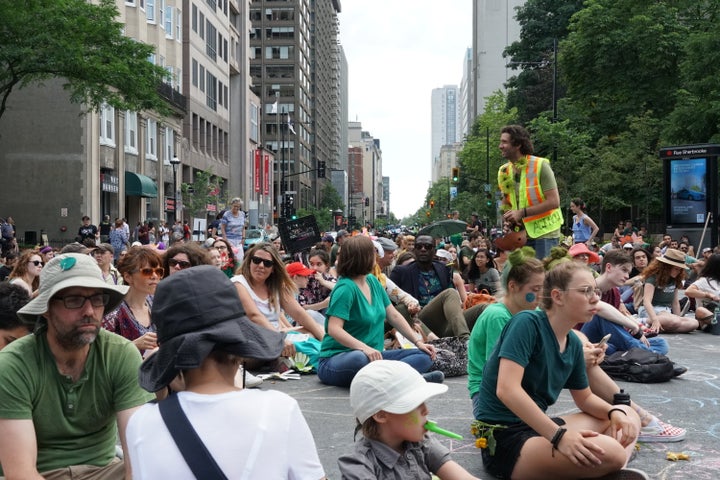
{"type": "Point", "coordinates": [137, 185]}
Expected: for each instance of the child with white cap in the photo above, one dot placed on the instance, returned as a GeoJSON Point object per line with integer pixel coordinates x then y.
{"type": "Point", "coordinates": [388, 400]}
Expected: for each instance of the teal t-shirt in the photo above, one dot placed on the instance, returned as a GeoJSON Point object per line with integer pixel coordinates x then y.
{"type": "Point", "coordinates": [364, 321]}
{"type": "Point", "coordinates": [75, 423]}
{"type": "Point", "coordinates": [529, 341]}
{"type": "Point", "coordinates": [483, 339]}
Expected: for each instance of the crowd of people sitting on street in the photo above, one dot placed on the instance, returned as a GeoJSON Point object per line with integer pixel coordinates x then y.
{"type": "Point", "coordinates": [195, 318]}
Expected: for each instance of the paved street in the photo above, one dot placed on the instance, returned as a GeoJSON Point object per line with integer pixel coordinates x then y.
{"type": "Point", "coordinates": [691, 401]}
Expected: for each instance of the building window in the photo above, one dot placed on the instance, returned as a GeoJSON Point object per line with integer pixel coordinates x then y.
{"type": "Point", "coordinates": [178, 25]}
{"type": "Point", "coordinates": [178, 79]}
{"type": "Point", "coordinates": [169, 145]}
{"type": "Point", "coordinates": [211, 94]}
{"type": "Point", "coordinates": [201, 25]}
{"type": "Point", "coordinates": [194, 72]}
{"type": "Point", "coordinates": [169, 17]}
{"type": "Point", "coordinates": [161, 12]}
{"type": "Point", "coordinates": [130, 3]}
{"type": "Point", "coordinates": [150, 10]}
{"type": "Point", "coordinates": [211, 41]}
{"type": "Point", "coordinates": [194, 18]}
{"type": "Point", "coordinates": [202, 78]}
{"type": "Point", "coordinates": [254, 122]}
{"type": "Point", "coordinates": [107, 125]}
{"type": "Point", "coordinates": [151, 139]}
{"type": "Point", "coordinates": [131, 138]}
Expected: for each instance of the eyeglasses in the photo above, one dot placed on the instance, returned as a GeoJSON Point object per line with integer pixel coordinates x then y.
{"type": "Point", "coordinates": [183, 264]}
{"type": "Point", "coordinates": [148, 271]}
{"type": "Point", "coordinates": [588, 291]}
{"type": "Point", "coordinates": [37, 263]}
{"type": "Point", "coordinates": [266, 263]}
{"type": "Point", "coordinates": [73, 302]}
{"type": "Point", "coordinates": [220, 246]}
{"type": "Point", "coordinates": [424, 246]}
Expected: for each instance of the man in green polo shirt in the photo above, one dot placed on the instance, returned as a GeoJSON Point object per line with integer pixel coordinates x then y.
{"type": "Point", "coordinates": [67, 390]}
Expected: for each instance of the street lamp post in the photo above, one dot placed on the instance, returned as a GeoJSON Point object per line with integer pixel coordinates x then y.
{"type": "Point", "coordinates": [175, 161]}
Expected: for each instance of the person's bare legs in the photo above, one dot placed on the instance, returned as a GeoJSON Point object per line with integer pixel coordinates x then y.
{"type": "Point", "coordinates": [672, 323]}
{"type": "Point", "coordinates": [537, 459]}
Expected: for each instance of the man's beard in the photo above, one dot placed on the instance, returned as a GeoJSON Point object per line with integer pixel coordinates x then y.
{"type": "Point", "coordinates": [74, 339]}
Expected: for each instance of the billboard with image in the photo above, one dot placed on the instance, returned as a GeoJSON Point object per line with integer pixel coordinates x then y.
{"type": "Point", "coordinates": [688, 191]}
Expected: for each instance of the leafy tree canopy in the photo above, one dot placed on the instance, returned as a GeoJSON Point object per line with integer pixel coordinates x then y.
{"type": "Point", "coordinates": [81, 42]}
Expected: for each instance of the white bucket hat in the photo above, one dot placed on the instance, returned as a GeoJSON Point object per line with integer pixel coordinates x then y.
{"type": "Point", "coordinates": [389, 385]}
{"type": "Point", "coordinates": [65, 271]}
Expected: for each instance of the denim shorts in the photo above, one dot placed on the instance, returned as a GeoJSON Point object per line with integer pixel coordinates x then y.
{"type": "Point", "coordinates": [510, 442]}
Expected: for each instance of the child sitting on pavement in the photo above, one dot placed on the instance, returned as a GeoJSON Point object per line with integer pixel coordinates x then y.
{"type": "Point", "coordinates": [388, 399]}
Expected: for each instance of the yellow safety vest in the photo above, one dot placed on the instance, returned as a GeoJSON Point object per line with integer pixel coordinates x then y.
{"type": "Point", "coordinates": [531, 193]}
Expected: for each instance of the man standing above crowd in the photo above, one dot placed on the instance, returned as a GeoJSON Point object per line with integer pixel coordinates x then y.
{"type": "Point", "coordinates": [530, 194]}
{"type": "Point", "coordinates": [67, 391]}
{"type": "Point", "coordinates": [431, 283]}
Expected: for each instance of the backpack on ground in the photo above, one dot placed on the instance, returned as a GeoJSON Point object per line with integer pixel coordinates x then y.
{"type": "Point", "coordinates": [638, 365]}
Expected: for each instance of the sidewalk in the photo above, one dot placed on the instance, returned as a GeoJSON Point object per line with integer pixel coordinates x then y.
{"type": "Point", "coordinates": [691, 401]}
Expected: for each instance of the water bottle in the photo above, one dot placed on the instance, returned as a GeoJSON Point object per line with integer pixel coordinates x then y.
{"type": "Point", "coordinates": [621, 398]}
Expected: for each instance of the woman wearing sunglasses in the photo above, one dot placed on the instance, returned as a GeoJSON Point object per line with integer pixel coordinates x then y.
{"type": "Point", "coordinates": [26, 272]}
{"type": "Point", "coordinates": [184, 255]}
{"type": "Point", "coordinates": [141, 269]}
{"type": "Point", "coordinates": [266, 291]}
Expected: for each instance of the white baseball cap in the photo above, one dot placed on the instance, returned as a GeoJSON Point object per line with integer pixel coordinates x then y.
{"type": "Point", "coordinates": [389, 385]}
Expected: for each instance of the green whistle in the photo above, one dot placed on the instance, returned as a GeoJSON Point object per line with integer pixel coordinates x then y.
{"type": "Point", "coordinates": [432, 427]}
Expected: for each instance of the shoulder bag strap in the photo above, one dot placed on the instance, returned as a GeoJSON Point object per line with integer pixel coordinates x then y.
{"type": "Point", "coordinates": [193, 449]}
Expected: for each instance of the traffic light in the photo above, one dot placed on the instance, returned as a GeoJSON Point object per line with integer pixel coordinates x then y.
{"type": "Point", "coordinates": [321, 169]}
{"type": "Point", "coordinates": [367, 201]}
{"type": "Point", "coordinates": [455, 174]}
{"type": "Point", "coordinates": [432, 203]}
{"type": "Point", "coordinates": [427, 213]}
{"type": "Point", "coordinates": [488, 202]}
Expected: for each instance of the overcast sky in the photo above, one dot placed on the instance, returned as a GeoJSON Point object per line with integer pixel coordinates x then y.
{"type": "Point", "coordinates": [397, 52]}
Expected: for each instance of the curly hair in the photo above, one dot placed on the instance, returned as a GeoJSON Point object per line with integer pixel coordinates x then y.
{"type": "Point", "coordinates": [20, 268]}
{"type": "Point", "coordinates": [519, 137]}
{"type": "Point", "coordinates": [661, 272]}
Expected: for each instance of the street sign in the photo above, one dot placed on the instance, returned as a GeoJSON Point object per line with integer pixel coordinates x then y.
{"type": "Point", "coordinates": [486, 187]}
{"type": "Point", "coordinates": [453, 192]}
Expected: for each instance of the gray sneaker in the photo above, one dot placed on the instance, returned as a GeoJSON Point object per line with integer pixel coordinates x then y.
{"type": "Point", "coordinates": [434, 377]}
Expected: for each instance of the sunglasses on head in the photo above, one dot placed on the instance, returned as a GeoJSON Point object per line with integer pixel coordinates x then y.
{"type": "Point", "coordinates": [183, 264]}
{"type": "Point", "coordinates": [148, 271]}
{"type": "Point", "coordinates": [266, 263]}
{"type": "Point", "coordinates": [37, 263]}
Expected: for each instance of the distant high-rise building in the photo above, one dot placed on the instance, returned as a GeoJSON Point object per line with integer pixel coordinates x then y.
{"type": "Point", "coordinates": [295, 69]}
{"type": "Point", "coordinates": [445, 119]}
{"type": "Point", "coordinates": [465, 101]}
{"type": "Point", "coordinates": [494, 28]}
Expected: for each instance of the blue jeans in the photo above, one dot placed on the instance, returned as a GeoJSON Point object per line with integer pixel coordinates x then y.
{"type": "Point", "coordinates": [542, 246]}
{"type": "Point", "coordinates": [340, 369]}
{"type": "Point", "coordinates": [620, 340]}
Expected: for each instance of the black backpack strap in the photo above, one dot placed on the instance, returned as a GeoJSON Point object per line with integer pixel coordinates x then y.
{"type": "Point", "coordinates": [193, 449]}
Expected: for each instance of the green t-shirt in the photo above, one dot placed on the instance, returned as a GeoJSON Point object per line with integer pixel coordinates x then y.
{"type": "Point", "coordinates": [529, 341]}
{"type": "Point", "coordinates": [364, 321]}
{"type": "Point", "coordinates": [483, 339]}
{"type": "Point", "coordinates": [75, 423]}
{"type": "Point", "coordinates": [663, 296]}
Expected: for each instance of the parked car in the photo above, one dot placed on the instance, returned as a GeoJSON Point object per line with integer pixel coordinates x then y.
{"type": "Point", "coordinates": [253, 236]}
{"type": "Point", "coordinates": [685, 194]}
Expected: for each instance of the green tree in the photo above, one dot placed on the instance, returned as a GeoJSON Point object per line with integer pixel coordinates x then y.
{"type": "Point", "coordinates": [203, 191]}
{"type": "Point", "coordinates": [83, 43]}
{"type": "Point", "coordinates": [330, 198]}
{"type": "Point", "coordinates": [621, 59]}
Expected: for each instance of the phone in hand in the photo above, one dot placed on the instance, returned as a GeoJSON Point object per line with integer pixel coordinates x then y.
{"type": "Point", "coordinates": [604, 340]}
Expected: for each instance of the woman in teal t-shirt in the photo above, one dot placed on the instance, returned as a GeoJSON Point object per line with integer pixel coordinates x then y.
{"type": "Point", "coordinates": [522, 283]}
{"type": "Point", "coordinates": [536, 357]}
{"type": "Point", "coordinates": [356, 318]}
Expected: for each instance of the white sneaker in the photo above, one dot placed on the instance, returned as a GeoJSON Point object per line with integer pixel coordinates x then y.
{"type": "Point", "coordinates": [251, 381]}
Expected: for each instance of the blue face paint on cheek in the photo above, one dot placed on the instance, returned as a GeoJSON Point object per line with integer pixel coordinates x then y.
{"type": "Point", "coordinates": [530, 297]}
